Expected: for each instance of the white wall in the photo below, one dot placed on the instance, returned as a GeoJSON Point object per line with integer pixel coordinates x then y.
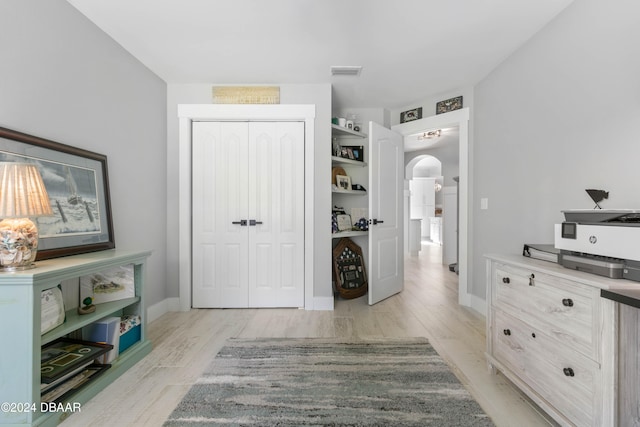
{"type": "Point", "coordinates": [63, 79]}
{"type": "Point", "coordinates": [559, 116]}
{"type": "Point", "coordinates": [317, 94]}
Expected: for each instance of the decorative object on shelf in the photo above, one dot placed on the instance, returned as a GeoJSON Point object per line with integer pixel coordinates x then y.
{"type": "Point", "coordinates": [349, 270]}
{"type": "Point", "coordinates": [87, 306]}
{"type": "Point", "coordinates": [22, 195]}
{"type": "Point", "coordinates": [334, 218]}
{"type": "Point", "coordinates": [358, 187]}
{"type": "Point", "coordinates": [356, 128]}
{"type": "Point", "coordinates": [129, 331]}
{"type": "Point", "coordinates": [344, 222]}
{"type": "Point", "coordinates": [109, 285]}
{"type": "Point", "coordinates": [65, 355]}
{"type": "Point", "coordinates": [597, 196]}
{"type": "Point", "coordinates": [353, 152]}
{"type": "Point", "coordinates": [335, 171]}
{"type": "Point", "coordinates": [449, 105]}
{"type": "Point", "coordinates": [52, 312]}
{"type": "Point", "coordinates": [361, 225]}
{"type": "Point", "coordinates": [77, 184]}
{"type": "Point", "coordinates": [411, 115]}
{"type": "Point", "coordinates": [245, 94]}
{"type": "Point", "coordinates": [343, 182]}
{"type": "Point", "coordinates": [342, 122]}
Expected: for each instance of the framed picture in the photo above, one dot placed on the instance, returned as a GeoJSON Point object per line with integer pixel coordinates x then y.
{"type": "Point", "coordinates": [343, 182]}
{"type": "Point", "coordinates": [344, 222]}
{"type": "Point", "coordinates": [78, 186]}
{"type": "Point", "coordinates": [349, 270]}
{"type": "Point", "coordinates": [410, 115]}
{"type": "Point", "coordinates": [354, 152]}
{"type": "Point", "coordinates": [449, 105]}
{"type": "Point", "coordinates": [109, 285]}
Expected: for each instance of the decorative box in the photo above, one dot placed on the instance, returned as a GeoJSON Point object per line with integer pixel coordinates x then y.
{"type": "Point", "coordinates": [130, 331]}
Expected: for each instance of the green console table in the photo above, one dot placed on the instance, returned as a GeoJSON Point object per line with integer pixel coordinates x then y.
{"type": "Point", "coordinates": [21, 339]}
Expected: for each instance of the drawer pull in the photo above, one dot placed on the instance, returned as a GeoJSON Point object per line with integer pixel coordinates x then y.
{"type": "Point", "coordinates": [533, 276]}
{"type": "Point", "coordinates": [507, 331]}
{"type": "Point", "coordinates": [533, 334]}
{"type": "Point", "coordinates": [567, 302]}
{"type": "Point", "coordinates": [505, 280]}
{"type": "Point", "coordinates": [568, 372]}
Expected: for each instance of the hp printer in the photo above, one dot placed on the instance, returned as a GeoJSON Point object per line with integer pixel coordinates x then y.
{"type": "Point", "coordinates": [603, 242]}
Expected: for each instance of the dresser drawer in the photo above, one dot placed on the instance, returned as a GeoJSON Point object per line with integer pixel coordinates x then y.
{"type": "Point", "coordinates": [566, 379]}
{"type": "Point", "coordinates": [559, 308]}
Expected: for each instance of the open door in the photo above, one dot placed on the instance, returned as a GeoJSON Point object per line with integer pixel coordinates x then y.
{"type": "Point", "coordinates": [386, 256]}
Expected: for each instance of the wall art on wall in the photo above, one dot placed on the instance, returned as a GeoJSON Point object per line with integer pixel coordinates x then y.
{"type": "Point", "coordinates": [449, 105]}
{"type": "Point", "coordinates": [245, 94]}
{"type": "Point", "coordinates": [410, 115]}
{"type": "Point", "coordinates": [78, 186]}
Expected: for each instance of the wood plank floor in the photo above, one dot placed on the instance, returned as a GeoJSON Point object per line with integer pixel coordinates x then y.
{"type": "Point", "coordinates": [186, 342]}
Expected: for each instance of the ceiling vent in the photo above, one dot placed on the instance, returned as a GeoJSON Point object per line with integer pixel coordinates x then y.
{"type": "Point", "coordinates": [346, 70]}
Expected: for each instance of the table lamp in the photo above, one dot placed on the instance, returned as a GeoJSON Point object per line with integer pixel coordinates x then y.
{"type": "Point", "coordinates": [22, 196]}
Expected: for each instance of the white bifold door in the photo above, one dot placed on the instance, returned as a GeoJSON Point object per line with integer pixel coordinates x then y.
{"type": "Point", "coordinates": [248, 214]}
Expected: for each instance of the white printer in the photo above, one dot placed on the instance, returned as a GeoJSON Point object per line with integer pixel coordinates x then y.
{"type": "Point", "coordinates": [601, 241]}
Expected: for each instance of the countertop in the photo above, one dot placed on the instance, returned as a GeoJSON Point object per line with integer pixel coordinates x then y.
{"type": "Point", "coordinates": [624, 296]}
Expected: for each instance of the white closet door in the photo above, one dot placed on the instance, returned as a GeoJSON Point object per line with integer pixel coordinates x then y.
{"type": "Point", "coordinates": [276, 203]}
{"type": "Point", "coordinates": [220, 245]}
{"type": "Point", "coordinates": [248, 214]}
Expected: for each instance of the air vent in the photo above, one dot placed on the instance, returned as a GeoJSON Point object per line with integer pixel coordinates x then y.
{"type": "Point", "coordinates": [346, 70]}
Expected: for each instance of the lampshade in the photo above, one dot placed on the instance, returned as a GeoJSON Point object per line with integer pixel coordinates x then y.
{"type": "Point", "coordinates": [22, 191]}
{"type": "Point", "coordinates": [22, 195]}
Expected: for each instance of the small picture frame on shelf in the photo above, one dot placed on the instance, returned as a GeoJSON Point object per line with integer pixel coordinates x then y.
{"type": "Point", "coordinates": [343, 182]}
{"type": "Point", "coordinates": [355, 152]}
{"type": "Point", "coordinates": [344, 222]}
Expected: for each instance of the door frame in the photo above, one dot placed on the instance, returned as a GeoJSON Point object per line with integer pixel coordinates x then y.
{"type": "Point", "coordinates": [458, 118]}
{"type": "Point", "coordinates": [187, 114]}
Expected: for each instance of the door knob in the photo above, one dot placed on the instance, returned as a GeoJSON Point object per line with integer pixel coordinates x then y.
{"type": "Point", "coordinates": [377, 221]}
{"type": "Point", "coordinates": [253, 222]}
{"type": "Point", "coordinates": [242, 222]}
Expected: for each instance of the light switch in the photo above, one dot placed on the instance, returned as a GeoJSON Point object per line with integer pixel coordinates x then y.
{"type": "Point", "coordinates": [484, 203]}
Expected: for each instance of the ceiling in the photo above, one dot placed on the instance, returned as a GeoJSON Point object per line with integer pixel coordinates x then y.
{"type": "Point", "coordinates": [409, 50]}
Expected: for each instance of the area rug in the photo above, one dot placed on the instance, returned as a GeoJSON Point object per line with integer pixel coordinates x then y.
{"type": "Point", "coordinates": [320, 382]}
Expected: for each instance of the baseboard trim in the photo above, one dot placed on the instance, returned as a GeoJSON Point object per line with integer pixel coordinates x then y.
{"type": "Point", "coordinates": [322, 304]}
{"type": "Point", "coordinates": [157, 310]}
{"type": "Point", "coordinates": [478, 304]}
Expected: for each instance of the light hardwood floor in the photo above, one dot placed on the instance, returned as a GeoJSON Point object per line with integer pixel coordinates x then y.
{"type": "Point", "coordinates": [185, 343]}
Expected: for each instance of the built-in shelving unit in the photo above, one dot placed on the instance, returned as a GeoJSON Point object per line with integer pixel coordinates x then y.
{"type": "Point", "coordinates": [359, 168]}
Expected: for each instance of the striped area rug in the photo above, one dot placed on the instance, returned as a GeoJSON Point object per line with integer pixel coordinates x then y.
{"type": "Point", "coordinates": [322, 382]}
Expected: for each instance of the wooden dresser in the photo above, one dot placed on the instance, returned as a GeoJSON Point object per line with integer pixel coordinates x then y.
{"type": "Point", "coordinates": [550, 332]}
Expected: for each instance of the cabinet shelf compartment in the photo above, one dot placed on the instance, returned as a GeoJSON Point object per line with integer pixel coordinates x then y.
{"type": "Point", "coordinates": [75, 321]}
{"type": "Point", "coordinates": [342, 131]}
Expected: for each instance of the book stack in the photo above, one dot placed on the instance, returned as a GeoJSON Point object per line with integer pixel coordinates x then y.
{"type": "Point", "coordinates": [67, 364]}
